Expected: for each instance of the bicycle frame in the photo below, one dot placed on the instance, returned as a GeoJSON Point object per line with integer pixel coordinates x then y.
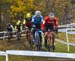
{"type": "Point", "coordinates": [29, 37]}
{"type": "Point", "coordinates": [49, 38]}
{"type": "Point", "coordinates": [38, 39]}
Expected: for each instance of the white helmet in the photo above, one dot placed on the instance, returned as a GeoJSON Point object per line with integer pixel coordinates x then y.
{"type": "Point", "coordinates": [38, 13]}
{"type": "Point", "coordinates": [51, 15]}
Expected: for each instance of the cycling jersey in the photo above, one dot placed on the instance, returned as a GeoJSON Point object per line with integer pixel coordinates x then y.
{"type": "Point", "coordinates": [48, 23]}
{"type": "Point", "coordinates": [28, 22]}
{"type": "Point", "coordinates": [10, 28]}
{"type": "Point", "coordinates": [37, 21]}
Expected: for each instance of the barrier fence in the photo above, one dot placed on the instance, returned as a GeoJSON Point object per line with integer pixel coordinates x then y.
{"type": "Point", "coordinates": [36, 54]}
{"type": "Point", "coordinates": [62, 28]}
{"type": "Point", "coordinates": [2, 54]}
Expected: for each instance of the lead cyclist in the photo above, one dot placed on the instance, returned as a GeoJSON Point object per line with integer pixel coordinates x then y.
{"type": "Point", "coordinates": [37, 21]}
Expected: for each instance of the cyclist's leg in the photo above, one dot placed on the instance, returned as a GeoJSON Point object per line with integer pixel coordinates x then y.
{"type": "Point", "coordinates": [40, 41]}
{"type": "Point", "coordinates": [27, 35]}
{"type": "Point", "coordinates": [8, 33]}
{"type": "Point", "coordinates": [42, 34]}
{"type": "Point", "coordinates": [53, 38]}
{"type": "Point", "coordinates": [30, 38]}
{"type": "Point", "coordinates": [9, 36]}
{"type": "Point", "coordinates": [49, 39]}
{"type": "Point", "coordinates": [46, 39]}
{"type": "Point", "coordinates": [30, 41]}
{"type": "Point", "coordinates": [18, 35]}
{"type": "Point", "coordinates": [33, 36]}
{"type": "Point", "coordinates": [46, 32]}
{"type": "Point", "coordinates": [30, 35]}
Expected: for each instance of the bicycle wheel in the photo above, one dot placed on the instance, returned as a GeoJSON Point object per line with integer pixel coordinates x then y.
{"type": "Point", "coordinates": [53, 41]}
{"type": "Point", "coordinates": [30, 38]}
{"type": "Point", "coordinates": [37, 40]}
{"type": "Point", "coordinates": [49, 39]}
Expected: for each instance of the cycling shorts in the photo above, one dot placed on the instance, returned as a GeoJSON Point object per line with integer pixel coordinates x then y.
{"type": "Point", "coordinates": [50, 27]}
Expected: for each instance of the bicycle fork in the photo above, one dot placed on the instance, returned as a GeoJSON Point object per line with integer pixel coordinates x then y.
{"type": "Point", "coordinates": [49, 39]}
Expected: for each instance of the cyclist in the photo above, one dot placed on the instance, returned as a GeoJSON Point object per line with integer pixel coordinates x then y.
{"type": "Point", "coordinates": [28, 25]}
{"type": "Point", "coordinates": [24, 26]}
{"type": "Point", "coordinates": [50, 22]}
{"type": "Point", "coordinates": [10, 30]}
{"type": "Point", "coordinates": [28, 20]}
{"type": "Point", "coordinates": [37, 20]}
{"type": "Point", "coordinates": [18, 29]}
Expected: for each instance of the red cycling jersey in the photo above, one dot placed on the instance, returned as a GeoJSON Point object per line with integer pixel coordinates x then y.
{"type": "Point", "coordinates": [47, 20]}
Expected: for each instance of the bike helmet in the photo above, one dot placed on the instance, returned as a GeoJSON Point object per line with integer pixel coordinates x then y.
{"type": "Point", "coordinates": [37, 13]}
{"type": "Point", "coordinates": [28, 15]}
{"type": "Point", "coordinates": [51, 15]}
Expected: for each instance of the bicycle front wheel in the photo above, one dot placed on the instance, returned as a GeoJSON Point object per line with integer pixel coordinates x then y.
{"type": "Point", "coordinates": [38, 40]}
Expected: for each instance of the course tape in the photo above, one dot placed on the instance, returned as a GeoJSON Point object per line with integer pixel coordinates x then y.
{"type": "Point", "coordinates": [40, 53]}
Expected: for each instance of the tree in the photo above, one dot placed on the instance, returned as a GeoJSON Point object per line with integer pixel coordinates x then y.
{"type": "Point", "coordinates": [13, 9]}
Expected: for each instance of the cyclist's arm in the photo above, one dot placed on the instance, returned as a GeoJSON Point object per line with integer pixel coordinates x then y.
{"type": "Point", "coordinates": [56, 22]}
{"type": "Point", "coordinates": [42, 19]}
{"type": "Point", "coordinates": [32, 20]}
{"type": "Point", "coordinates": [56, 25]}
{"type": "Point", "coordinates": [24, 21]}
{"type": "Point", "coordinates": [43, 24]}
{"type": "Point", "coordinates": [12, 28]}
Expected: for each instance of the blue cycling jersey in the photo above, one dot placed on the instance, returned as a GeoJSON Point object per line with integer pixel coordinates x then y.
{"type": "Point", "coordinates": [37, 20]}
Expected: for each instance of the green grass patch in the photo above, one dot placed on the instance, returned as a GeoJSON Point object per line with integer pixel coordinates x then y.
{"type": "Point", "coordinates": [62, 36]}
{"type": "Point", "coordinates": [2, 58]}
{"type": "Point", "coordinates": [64, 48]}
{"type": "Point", "coordinates": [26, 58]}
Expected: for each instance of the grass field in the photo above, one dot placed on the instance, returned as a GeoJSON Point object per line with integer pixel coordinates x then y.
{"type": "Point", "coordinates": [15, 45]}
{"type": "Point", "coordinates": [2, 58]}
{"type": "Point", "coordinates": [63, 37]}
